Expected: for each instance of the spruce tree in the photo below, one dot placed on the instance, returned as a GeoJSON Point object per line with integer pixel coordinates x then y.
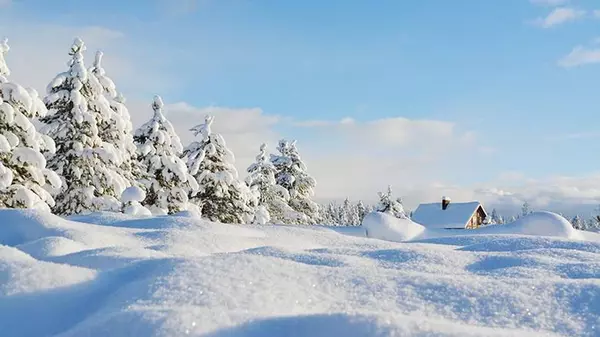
{"type": "Point", "coordinates": [291, 175]}
{"type": "Point", "coordinates": [116, 130]}
{"type": "Point", "coordinates": [4, 48]}
{"type": "Point", "coordinates": [525, 209]}
{"type": "Point", "coordinates": [167, 182]}
{"type": "Point", "coordinates": [75, 110]}
{"type": "Point", "coordinates": [578, 223]}
{"type": "Point", "coordinates": [387, 204]}
{"type": "Point", "coordinates": [361, 209]}
{"type": "Point", "coordinates": [221, 195]}
{"type": "Point", "coordinates": [23, 173]}
{"type": "Point", "coordinates": [261, 178]}
{"type": "Point", "coordinates": [496, 218]}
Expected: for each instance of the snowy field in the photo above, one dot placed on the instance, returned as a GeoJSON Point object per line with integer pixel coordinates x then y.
{"type": "Point", "coordinates": [110, 275]}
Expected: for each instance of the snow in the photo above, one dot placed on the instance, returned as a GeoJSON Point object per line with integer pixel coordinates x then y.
{"type": "Point", "coordinates": [133, 193]}
{"type": "Point", "coordinates": [385, 226]}
{"type": "Point", "coordinates": [108, 274]}
{"type": "Point", "coordinates": [456, 215]}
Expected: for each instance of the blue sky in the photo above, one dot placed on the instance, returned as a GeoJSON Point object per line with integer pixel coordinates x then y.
{"type": "Point", "coordinates": [492, 67]}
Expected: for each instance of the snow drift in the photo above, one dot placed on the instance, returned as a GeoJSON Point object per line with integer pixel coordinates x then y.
{"type": "Point", "coordinates": [118, 275]}
{"type": "Point", "coordinates": [385, 226]}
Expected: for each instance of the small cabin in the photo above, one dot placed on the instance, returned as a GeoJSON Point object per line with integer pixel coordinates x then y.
{"type": "Point", "coordinates": [448, 215]}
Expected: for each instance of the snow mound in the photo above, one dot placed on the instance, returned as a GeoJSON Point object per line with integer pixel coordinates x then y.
{"type": "Point", "coordinates": [133, 193]}
{"type": "Point", "coordinates": [51, 246]}
{"type": "Point", "coordinates": [537, 223]}
{"type": "Point", "coordinates": [22, 274]}
{"type": "Point", "coordinates": [385, 226]}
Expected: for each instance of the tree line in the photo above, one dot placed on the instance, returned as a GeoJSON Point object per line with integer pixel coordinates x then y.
{"type": "Point", "coordinates": [84, 156]}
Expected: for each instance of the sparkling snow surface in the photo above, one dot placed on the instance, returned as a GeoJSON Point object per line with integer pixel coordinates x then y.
{"type": "Point", "coordinates": [114, 275]}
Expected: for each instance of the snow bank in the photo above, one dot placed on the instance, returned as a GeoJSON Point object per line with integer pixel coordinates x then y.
{"type": "Point", "coordinates": [537, 223]}
{"type": "Point", "coordinates": [106, 275]}
{"type": "Point", "coordinates": [385, 226]}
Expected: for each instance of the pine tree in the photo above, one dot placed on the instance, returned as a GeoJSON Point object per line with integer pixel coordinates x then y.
{"type": "Point", "coordinates": [222, 195]}
{"type": "Point", "coordinates": [578, 223]}
{"type": "Point", "coordinates": [4, 48]}
{"type": "Point", "coordinates": [525, 209]}
{"type": "Point", "coordinates": [76, 109]}
{"type": "Point", "coordinates": [291, 175]}
{"type": "Point", "coordinates": [387, 204]}
{"type": "Point", "coordinates": [23, 173]}
{"type": "Point", "coordinates": [273, 197]}
{"type": "Point", "coordinates": [361, 209]}
{"type": "Point", "coordinates": [496, 218]}
{"type": "Point", "coordinates": [167, 181]}
{"type": "Point", "coordinates": [116, 131]}
{"type": "Point", "coordinates": [349, 214]}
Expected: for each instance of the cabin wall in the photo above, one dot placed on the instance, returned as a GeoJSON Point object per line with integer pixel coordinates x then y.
{"type": "Point", "coordinates": [476, 220]}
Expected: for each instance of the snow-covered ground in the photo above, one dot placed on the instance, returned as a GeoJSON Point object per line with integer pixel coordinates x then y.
{"type": "Point", "coordinates": [113, 275]}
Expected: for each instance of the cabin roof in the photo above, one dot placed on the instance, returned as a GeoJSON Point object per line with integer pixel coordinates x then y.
{"type": "Point", "coordinates": [456, 215]}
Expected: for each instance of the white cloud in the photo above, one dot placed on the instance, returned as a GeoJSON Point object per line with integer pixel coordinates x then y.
{"type": "Point", "coordinates": [559, 16]}
{"type": "Point", "coordinates": [580, 55]}
{"type": "Point", "coordinates": [550, 3]}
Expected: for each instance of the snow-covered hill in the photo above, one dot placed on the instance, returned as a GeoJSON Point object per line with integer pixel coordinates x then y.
{"type": "Point", "coordinates": [109, 275]}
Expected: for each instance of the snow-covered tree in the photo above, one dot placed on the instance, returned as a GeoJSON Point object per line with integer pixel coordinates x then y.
{"type": "Point", "coordinates": [222, 196]}
{"type": "Point", "coordinates": [349, 214]}
{"type": "Point", "coordinates": [23, 173]}
{"type": "Point", "coordinates": [4, 48]}
{"type": "Point", "coordinates": [578, 223]}
{"type": "Point", "coordinates": [387, 204]}
{"type": "Point", "coordinates": [261, 180]}
{"type": "Point", "coordinates": [291, 175]}
{"type": "Point", "coordinates": [131, 199]}
{"type": "Point", "coordinates": [76, 107]}
{"type": "Point", "coordinates": [361, 209]}
{"type": "Point", "coordinates": [496, 218]}
{"type": "Point", "coordinates": [116, 130]}
{"type": "Point", "coordinates": [167, 181]}
{"type": "Point", "coordinates": [525, 209]}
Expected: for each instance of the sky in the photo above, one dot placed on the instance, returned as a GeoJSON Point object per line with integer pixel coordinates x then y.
{"type": "Point", "coordinates": [494, 101]}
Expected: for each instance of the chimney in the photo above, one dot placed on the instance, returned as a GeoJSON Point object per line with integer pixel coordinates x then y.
{"type": "Point", "coordinates": [445, 202]}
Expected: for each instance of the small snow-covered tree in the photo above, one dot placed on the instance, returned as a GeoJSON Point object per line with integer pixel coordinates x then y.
{"type": "Point", "coordinates": [496, 218]}
{"type": "Point", "coordinates": [387, 204]}
{"type": "Point", "coordinates": [167, 181]}
{"type": "Point", "coordinates": [76, 107]}
{"type": "Point", "coordinates": [221, 194]}
{"type": "Point", "coordinates": [4, 48]}
{"type": "Point", "coordinates": [525, 209]}
{"type": "Point", "coordinates": [116, 130]}
{"type": "Point", "coordinates": [578, 223]}
{"type": "Point", "coordinates": [261, 180]}
{"type": "Point", "coordinates": [132, 198]}
{"type": "Point", "coordinates": [23, 173]}
{"type": "Point", "coordinates": [349, 214]}
{"type": "Point", "coordinates": [361, 209]}
{"type": "Point", "coordinates": [291, 175]}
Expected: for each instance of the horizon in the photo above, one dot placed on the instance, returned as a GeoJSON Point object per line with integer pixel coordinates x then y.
{"type": "Point", "coordinates": [477, 101]}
